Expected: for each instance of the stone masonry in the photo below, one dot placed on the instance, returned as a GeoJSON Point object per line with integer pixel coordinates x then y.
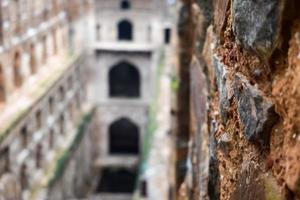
{"type": "Point", "coordinates": [243, 61]}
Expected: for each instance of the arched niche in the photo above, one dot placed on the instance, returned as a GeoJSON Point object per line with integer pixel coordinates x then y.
{"type": "Point", "coordinates": [125, 30]}
{"type": "Point", "coordinates": [124, 137]}
{"type": "Point", "coordinates": [124, 81]}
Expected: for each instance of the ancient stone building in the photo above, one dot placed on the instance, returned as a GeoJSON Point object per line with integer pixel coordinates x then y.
{"type": "Point", "coordinates": [238, 101]}
{"type": "Point", "coordinates": [42, 97]}
{"type": "Point", "coordinates": [128, 39]}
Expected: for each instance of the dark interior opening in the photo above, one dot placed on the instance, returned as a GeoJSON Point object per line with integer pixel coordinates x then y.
{"type": "Point", "coordinates": [125, 30]}
{"type": "Point", "coordinates": [144, 188]}
{"type": "Point", "coordinates": [125, 5]}
{"type": "Point", "coordinates": [124, 81]}
{"type": "Point", "coordinates": [4, 161]}
{"type": "Point", "coordinates": [117, 180]}
{"type": "Point", "coordinates": [167, 35]}
{"type": "Point", "coordinates": [123, 137]}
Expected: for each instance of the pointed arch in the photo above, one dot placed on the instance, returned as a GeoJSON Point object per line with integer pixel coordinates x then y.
{"type": "Point", "coordinates": [124, 81]}
{"type": "Point", "coordinates": [125, 30]}
{"type": "Point", "coordinates": [124, 137]}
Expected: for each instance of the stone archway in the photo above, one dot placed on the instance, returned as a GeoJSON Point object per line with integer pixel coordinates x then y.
{"type": "Point", "coordinates": [124, 137]}
{"type": "Point", "coordinates": [125, 30]}
{"type": "Point", "coordinates": [124, 81]}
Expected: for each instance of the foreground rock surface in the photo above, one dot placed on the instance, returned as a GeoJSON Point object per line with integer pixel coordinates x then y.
{"type": "Point", "coordinates": [256, 111]}
{"type": "Point", "coordinates": [247, 139]}
{"type": "Point", "coordinates": [257, 24]}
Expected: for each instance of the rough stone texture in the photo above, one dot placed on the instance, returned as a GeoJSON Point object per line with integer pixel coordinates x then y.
{"type": "Point", "coordinates": [207, 7]}
{"type": "Point", "coordinates": [248, 144]}
{"type": "Point", "coordinates": [214, 176]}
{"type": "Point", "coordinates": [198, 92]}
{"type": "Point", "coordinates": [257, 185]}
{"type": "Point", "coordinates": [199, 107]}
{"type": "Point", "coordinates": [256, 111]}
{"type": "Point", "coordinates": [224, 143]}
{"type": "Point", "coordinates": [292, 175]}
{"type": "Point", "coordinates": [205, 18]}
{"type": "Point", "coordinates": [209, 67]}
{"type": "Point", "coordinates": [203, 156]}
{"type": "Point", "coordinates": [79, 172]}
{"type": "Point", "coordinates": [186, 32]}
{"type": "Point", "coordinates": [257, 24]}
{"type": "Point", "coordinates": [219, 15]}
{"type": "Point", "coordinates": [224, 88]}
{"type": "Point", "coordinates": [249, 182]}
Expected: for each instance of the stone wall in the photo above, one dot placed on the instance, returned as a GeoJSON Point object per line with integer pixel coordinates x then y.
{"type": "Point", "coordinates": [75, 173]}
{"type": "Point", "coordinates": [241, 59]}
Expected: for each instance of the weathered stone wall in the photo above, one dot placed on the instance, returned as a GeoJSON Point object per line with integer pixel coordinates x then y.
{"type": "Point", "coordinates": [243, 62]}
{"type": "Point", "coordinates": [78, 175]}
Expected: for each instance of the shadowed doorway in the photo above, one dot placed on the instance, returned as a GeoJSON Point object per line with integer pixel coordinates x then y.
{"type": "Point", "coordinates": [124, 81]}
{"type": "Point", "coordinates": [123, 137]}
{"type": "Point", "coordinates": [117, 180]}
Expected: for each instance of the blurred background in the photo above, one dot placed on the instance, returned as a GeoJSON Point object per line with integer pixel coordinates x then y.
{"type": "Point", "coordinates": [86, 89]}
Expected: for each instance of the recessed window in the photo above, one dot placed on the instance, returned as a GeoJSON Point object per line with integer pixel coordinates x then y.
{"type": "Point", "coordinates": [125, 5]}
{"type": "Point", "coordinates": [38, 161]}
{"type": "Point", "coordinates": [24, 177]}
{"type": "Point", "coordinates": [62, 124]}
{"type": "Point", "coordinates": [51, 104]}
{"type": "Point", "coordinates": [24, 135]}
{"type": "Point", "coordinates": [124, 137]}
{"type": "Point", "coordinates": [124, 81]}
{"type": "Point", "coordinates": [167, 35]}
{"type": "Point", "coordinates": [51, 139]}
{"type": "Point", "coordinates": [4, 161]}
{"type": "Point", "coordinates": [62, 93]}
{"type": "Point", "coordinates": [125, 31]}
{"type": "Point", "coordinates": [38, 117]}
